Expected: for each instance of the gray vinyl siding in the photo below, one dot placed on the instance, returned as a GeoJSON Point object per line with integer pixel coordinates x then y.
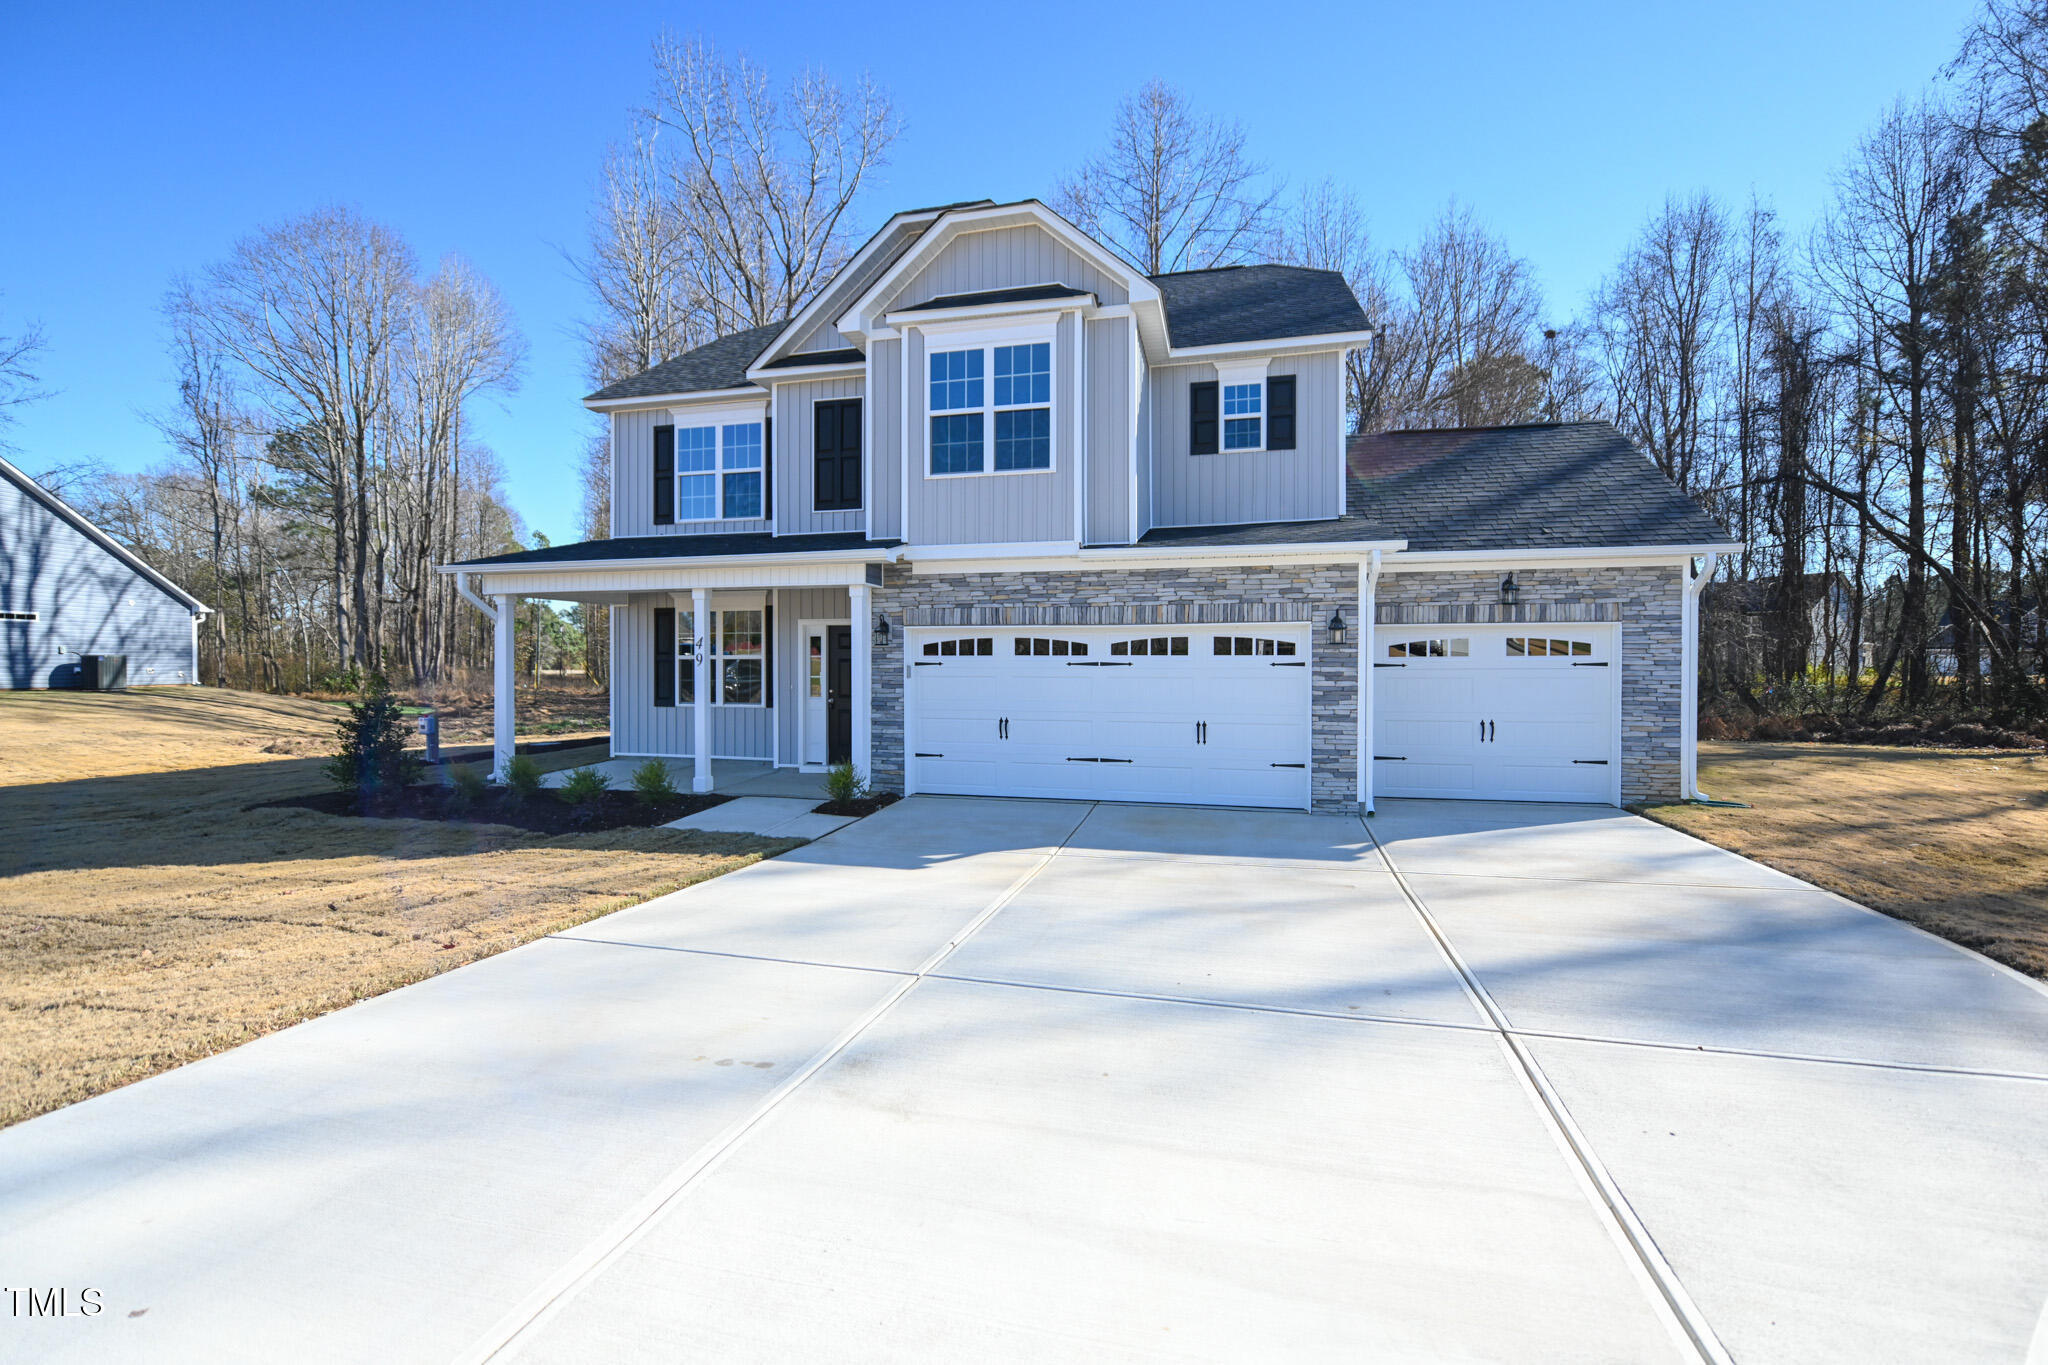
{"type": "Point", "coordinates": [795, 467]}
{"type": "Point", "coordinates": [994, 509]}
{"type": "Point", "coordinates": [1108, 502]}
{"type": "Point", "coordinates": [882, 446]}
{"type": "Point", "coordinates": [820, 336]}
{"type": "Point", "coordinates": [633, 481]}
{"type": "Point", "coordinates": [639, 727]}
{"type": "Point", "coordinates": [87, 601]}
{"type": "Point", "coordinates": [794, 605]}
{"type": "Point", "coordinates": [1228, 489]}
{"type": "Point", "coordinates": [1004, 258]}
{"type": "Point", "coordinates": [1143, 454]}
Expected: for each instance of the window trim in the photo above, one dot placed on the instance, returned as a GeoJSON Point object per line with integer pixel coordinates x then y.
{"type": "Point", "coordinates": [1226, 375]}
{"type": "Point", "coordinates": [719, 469]}
{"type": "Point", "coordinates": [940, 341]}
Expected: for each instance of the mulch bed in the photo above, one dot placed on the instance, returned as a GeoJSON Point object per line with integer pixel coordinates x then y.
{"type": "Point", "coordinates": [865, 806]}
{"type": "Point", "coordinates": [542, 814]}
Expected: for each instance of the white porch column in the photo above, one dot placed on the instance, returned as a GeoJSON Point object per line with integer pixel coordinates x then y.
{"type": "Point", "coordinates": [700, 708]}
{"type": "Point", "coordinates": [503, 682]}
{"type": "Point", "coordinates": [861, 613]}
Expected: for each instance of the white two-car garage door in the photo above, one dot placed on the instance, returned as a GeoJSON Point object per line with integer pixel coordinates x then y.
{"type": "Point", "coordinates": [1503, 713]}
{"type": "Point", "coordinates": [1209, 715]}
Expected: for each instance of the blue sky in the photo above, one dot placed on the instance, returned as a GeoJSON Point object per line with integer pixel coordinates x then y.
{"type": "Point", "coordinates": [141, 141]}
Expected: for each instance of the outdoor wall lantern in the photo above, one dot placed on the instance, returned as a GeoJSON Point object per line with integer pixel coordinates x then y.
{"type": "Point", "coordinates": [1337, 627]}
{"type": "Point", "coordinates": [1510, 591]}
{"type": "Point", "coordinates": [882, 631]}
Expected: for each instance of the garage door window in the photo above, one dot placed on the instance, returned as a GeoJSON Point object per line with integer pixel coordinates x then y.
{"type": "Point", "coordinates": [1041, 645]}
{"type": "Point", "coordinates": [1157, 645]}
{"type": "Point", "coordinates": [1529, 647]}
{"type": "Point", "coordinates": [1251, 644]}
{"type": "Point", "coordinates": [1457, 647]}
{"type": "Point", "coordinates": [982, 646]}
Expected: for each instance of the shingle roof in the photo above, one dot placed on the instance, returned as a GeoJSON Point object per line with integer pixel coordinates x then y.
{"type": "Point", "coordinates": [685, 547]}
{"type": "Point", "coordinates": [1571, 485]}
{"type": "Point", "coordinates": [720, 364]}
{"type": "Point", "coordinates": [1030, 293]}
{"type": "Point", "coordinates": [1256, 303]}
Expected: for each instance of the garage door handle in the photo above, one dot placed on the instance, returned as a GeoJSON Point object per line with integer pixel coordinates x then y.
{"type": "Point", "coordinates": [1596, 762]}
{"type": "Point", "coordinates": [1489, 732]}
{"type": "Point", "coordinates": [1290, 765]}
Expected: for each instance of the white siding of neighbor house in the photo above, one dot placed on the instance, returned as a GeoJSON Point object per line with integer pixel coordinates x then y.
{"type": "Point", "coordinates": [792, 606]}
{"type": "Point", "coordinates": [997, 508]}
{"type": "Point", "coordinates": [86, 600]}
{"type": "Point", "coordinates": [1004, 258]}
{"type": "Point", "coordinates": [1226, 489]}
{"type": "Point", "coordinates": [639, 727]}
{"type": "Point", "coordinates": [795, 465]}
{"type": "Point", "coordinates": [633, 480]}
{"type": "Point", "coordinates": [1108, 505]}
{"type": "Point", "coordinates": [883, 441]}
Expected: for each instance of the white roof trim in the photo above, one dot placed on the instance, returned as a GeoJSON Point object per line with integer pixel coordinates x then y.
{"type": "Point", "coordinates": [669, 400]}
{"type": "Point", "coordinates": [1184, 355]}
{"type": "Point", "coordinates": [811, 312]}
{"type": "Point", "coordinates": [1411, 561]}
{"type": "Point", "coordinates": [880, 554]}
{"type": "Point", "coordinates": [72, 517]}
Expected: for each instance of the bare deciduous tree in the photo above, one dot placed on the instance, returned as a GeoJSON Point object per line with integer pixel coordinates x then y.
{"type": "Point", "coordinates": [1175, 190]}
{"type": "Point", "coordinates": [19, 382]}
{"type": "Point", "coordinates": [638, 266]}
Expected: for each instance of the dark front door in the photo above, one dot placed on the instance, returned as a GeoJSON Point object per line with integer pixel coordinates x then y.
{"type": "Point", "coordinates": [839, 694]}
{"type": "Point", "coordinates": [836, 455]}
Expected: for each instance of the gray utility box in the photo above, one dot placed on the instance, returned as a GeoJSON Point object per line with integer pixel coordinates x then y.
{"type": "Point", "coordinates": [102, 672]}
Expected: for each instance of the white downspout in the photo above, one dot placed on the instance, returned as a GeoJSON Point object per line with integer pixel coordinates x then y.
{"type": "Point", "coordinates": [1368, 612]}
{"type": "Point", "coordinates": [1689, 685]}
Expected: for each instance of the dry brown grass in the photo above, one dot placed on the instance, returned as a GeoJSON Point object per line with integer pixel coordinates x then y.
{"type": "Point", "coordinates": [148, 918]}
{"type": "Point", "coordinates": [1956, 842]}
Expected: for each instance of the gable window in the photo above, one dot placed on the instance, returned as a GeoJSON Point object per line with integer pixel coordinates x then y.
{"type": "Point", "coordinates": [1242, 408]}
{"type": "Point", "coordinates": [991, 409]}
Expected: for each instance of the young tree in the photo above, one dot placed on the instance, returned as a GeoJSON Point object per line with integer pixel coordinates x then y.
{"type": "Point", "coordinates": [1174, 190]}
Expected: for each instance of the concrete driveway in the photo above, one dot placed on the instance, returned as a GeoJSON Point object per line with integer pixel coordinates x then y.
{"type": "Point", "coordinates": [1001, 1080]}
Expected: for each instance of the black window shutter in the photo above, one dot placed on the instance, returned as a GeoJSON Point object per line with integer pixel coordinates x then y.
{"type": "Point", "coordinates": [835, 447]}
{"type": "Point", "coordinates": [768, 657]}
{"type": "Point", "coordinates": [1280, 412]}
{"type": "Point", "coordinates": [1202, 418]}
{"type": "Point", "coordinates": [665, 483]}
{"type": "Point", "coordinates": [664, 656]}
{"type": "Point", "coordinates": [768, 468]}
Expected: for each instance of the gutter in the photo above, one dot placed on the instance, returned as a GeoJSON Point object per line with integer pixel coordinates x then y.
{"type": "Point", "coordinates": [888, 555]}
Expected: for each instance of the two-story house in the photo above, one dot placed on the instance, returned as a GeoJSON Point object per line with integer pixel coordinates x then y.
{"type": "Point", "coordinates": [999, 513]}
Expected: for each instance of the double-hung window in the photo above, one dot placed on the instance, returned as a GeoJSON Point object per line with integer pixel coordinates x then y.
{"type": "Point", "coordinates": [991, 408]}
{"type": "Point", "coordinates": [708, 473]}
{"type": "Point", "coordinates": [736, 639]}
{"type": "Point", "coordinates": [1242, 416]}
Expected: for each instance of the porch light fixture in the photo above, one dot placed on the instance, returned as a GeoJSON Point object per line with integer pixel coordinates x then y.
{"type": "Point", "coordinates": [1510, 591]}
{"type": "Point", "coordinates": [882, 631]}
{"type": "Point", "coordinates": [1337, 627]}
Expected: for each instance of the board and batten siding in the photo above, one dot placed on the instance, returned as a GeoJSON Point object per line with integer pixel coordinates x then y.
{"type": "Point", "coordinates": [882, 443]}
{"type": "Point", "coordinates": [796, 466]}
{"type": "Point", "coordinates": [86, 601]}
{"type": "Point", "coordinates": [1143, 455]}
{"type": "Point", "coordinates": [633, 479]}
{"type": "Point", "coordinates": [792, 607]}
{"type": "Point", "coordinates": [996, 509]}
{"type": "Point", "coordinates": [1108, 395]}
{"type": "Point", "coordinates": [1227, 489]}
{"type": "Point", "coordinates": [641, 729]}
{"type": "Point", "coordinates": [1003, 258]}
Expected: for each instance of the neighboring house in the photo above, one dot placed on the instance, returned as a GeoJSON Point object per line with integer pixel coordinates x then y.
{"type": "Point", "coordinates": [68, 590]}
{"type": "Point", "coordinates": [1739, 622]}
{"type": "Point", "coordinates": [998, 513]}
{"type": "Point", "coordinates": [2022, 625]}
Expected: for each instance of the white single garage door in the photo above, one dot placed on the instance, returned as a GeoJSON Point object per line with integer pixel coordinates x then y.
{"type": "Point", "coordinates": [1206, 715]}
{"type": "Point", "coordinates": [1502, 713]}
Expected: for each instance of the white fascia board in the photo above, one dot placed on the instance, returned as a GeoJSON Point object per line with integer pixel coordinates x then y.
{"type": "Point", "coordinates": [879, 554]}
{"type": "Point", "coordinates": [664, 400]}
{"type": "Point", "coordinates": [1024, 310]}
{"type": "Point", "coordinates": [1015, 549]}
{"type": "Point", "coordinates": [783, 374]}
{"type": "Point", "coordinates": [809, 314]}
{"type": "Point", "coordinates": [1619, 556]}
{"type": "Point", "coordinates": [753, 406]}
{"type": "Point", "coordinates": [1162, 557]}
{"type": "Point", "coordinates": [1330, 341]}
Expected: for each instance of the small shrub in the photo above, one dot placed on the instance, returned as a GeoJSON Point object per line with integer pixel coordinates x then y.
{"type": "Point", "coordinates": [652, 784]}
{"type": "Point", "coordinates": [521, 776]}
{"type": "Point", "coordinates": [371, 760]}
{"type": "Point", "coordinates": [843, 782]}
{"type": "Point", "coordinates": [466, 786]}
{"type": "Point", "coordinates": [583, 786]}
